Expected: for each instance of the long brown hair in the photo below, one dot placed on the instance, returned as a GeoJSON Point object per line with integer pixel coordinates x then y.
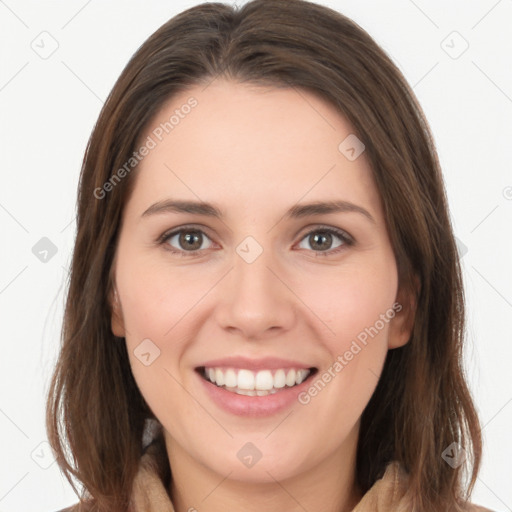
{"type": "Point", "coordinates": [422, 403]}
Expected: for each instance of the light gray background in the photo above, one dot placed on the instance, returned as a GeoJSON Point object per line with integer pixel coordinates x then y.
{"type": "Point", "coordinates": [49, 106]}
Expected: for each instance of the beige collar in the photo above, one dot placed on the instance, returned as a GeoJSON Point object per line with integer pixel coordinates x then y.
{"type": "Point", "coordinates": [149, 494]}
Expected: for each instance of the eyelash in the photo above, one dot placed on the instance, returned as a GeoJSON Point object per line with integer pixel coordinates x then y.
{"type": "Point", "coordinates": [346, 239]}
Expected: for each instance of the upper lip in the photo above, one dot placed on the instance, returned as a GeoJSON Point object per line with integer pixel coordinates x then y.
{"type": "Point", "coordinates": [264, 363]}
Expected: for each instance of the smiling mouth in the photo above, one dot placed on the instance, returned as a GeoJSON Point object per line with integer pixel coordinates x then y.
{"type": "Point", "coordinates": [256, 383]}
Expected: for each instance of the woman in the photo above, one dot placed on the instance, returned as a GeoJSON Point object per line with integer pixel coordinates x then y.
{"type": "Point", "coordinates": [265, 308]}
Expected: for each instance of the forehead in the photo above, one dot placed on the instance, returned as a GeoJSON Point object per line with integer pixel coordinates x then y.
{"type": "Point", "coordinates": [249, 146]}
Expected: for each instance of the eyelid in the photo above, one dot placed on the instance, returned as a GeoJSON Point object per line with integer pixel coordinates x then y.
{"type": "Point", "coordinates": [325, 227]}
{"type": "Point", "coordinates": [187, 227]}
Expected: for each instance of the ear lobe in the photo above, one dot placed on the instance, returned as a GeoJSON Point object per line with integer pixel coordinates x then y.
{"type": "Point", "coordinates": [116, 314]}
{"type": "Point", "coordinates": [401, 325]}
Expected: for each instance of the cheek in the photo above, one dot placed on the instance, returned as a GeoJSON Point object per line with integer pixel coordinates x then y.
{"type": "Point", "coordinates": [160, 307]}
{"type": "Point", "coordinates": [353, 300]}
{"type": "Point", "coordinates": [357, 350]}
{"type": "Point", "coordinates": [156, 312]}
{"type": "Point", "coordinates": [157, 297]}
{"type": "Point", "coordinates": [358, 308]}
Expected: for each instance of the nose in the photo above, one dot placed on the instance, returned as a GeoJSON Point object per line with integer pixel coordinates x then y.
{"type": "Point", "coordinates": [255, 300]}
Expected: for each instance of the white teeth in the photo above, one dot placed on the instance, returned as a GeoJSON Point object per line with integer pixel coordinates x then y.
{"type": "Point", "coordinates": [264, 380]}
{"type": "Point", "coordinates": [230, 379]}
{"type": "Point", "coordinates": [250, 392]}
{"type": "Point", "coordinates": [280, 379]}
{"type": "Point", "coordinates": [219, 377]}
{"type": "Point", "coordinates": [301, 376]}
{"type": "Point", "coordinates": [290, 378]}
{"type": "Point", "coordinates": [247, 392]}
{"type": "Point", "coordinates": [261, 383]}
{"type": "Point", "coordinates": [245, 379]}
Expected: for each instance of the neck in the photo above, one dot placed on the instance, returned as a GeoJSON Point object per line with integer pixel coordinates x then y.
{"type": "Point", "coordinates": [328, 487]}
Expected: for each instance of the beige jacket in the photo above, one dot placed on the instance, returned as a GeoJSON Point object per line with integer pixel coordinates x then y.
{"type": "Point", "coordinates": [149, 493]}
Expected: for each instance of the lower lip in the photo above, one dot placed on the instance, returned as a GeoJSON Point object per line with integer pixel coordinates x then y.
{"type": "Point", "coordinates": [253, 406]}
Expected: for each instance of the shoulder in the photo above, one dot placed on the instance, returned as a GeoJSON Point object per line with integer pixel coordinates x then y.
{"type": "Point", "coordinates": [397, 481]}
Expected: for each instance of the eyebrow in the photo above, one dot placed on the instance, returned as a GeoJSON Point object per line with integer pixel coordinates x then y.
{"type": "Point", "coordinates": [295, 212]}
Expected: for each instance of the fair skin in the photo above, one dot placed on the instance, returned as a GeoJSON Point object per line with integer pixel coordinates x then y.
{"type": "Point", "coordinates": [254, 153]}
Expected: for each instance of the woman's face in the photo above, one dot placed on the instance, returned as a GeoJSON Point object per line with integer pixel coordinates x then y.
{"type": "Point", "coordinates": [261, 295]}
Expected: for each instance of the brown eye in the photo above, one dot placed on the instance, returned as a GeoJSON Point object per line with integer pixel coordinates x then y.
{"type": "Point", "coordinates": [321, 240]}
{"type": "Point", "coordinates": [186, 240]}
